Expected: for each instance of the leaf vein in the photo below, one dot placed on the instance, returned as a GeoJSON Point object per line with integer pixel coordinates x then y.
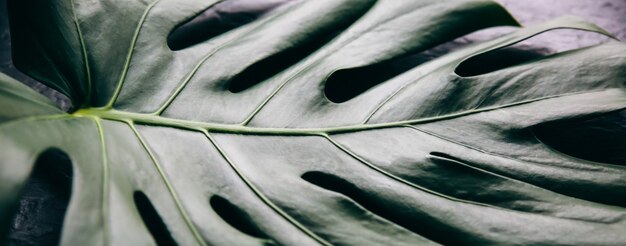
{"type": "Point", "coordinates": [169, 186]}
{"type": "Point", "coordinates": [129, 56]}
{"type": "Point", "coordinates": [193, 72]}
{"type": "Point", "coordinates": [105, 181]}
{"type": "Point", "coordinates": [84, 54]}
{"type": "Point", "coordinates": [404, 181]}
{"type": "Point", "coordinates": [259, 194]}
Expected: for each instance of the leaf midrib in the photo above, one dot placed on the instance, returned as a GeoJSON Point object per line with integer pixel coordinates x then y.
{"type": "Point", "coordinates": [157, 120]}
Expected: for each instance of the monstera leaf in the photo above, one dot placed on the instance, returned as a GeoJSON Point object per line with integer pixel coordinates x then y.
{"type": "Point", "coordinates": [277, 132]}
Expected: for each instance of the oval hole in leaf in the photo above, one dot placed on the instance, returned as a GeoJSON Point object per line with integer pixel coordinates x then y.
{"type": "Point", "coordinates": [373, 204]}
{"type": "Point", "coordinates": [152, 220]}
{"type": "Point", "coordinates": [236, 217]}
{"type": "Point", "coordinates": [599, 139]}
{"type": "Point", "coordinates": [532, 49]}
{"type": "Point", "coordinates": [274, 64]}
{"type": "Point", "coordinates": [345, 84]}
{"type": "Point", "coordinates": [496, 60]}
{"type": "Point", "coordinates": [219, 19]}
{"type": "Point", "coordinates": [43, 201]}
{"type": "Point", "coordinates": [446, 157]}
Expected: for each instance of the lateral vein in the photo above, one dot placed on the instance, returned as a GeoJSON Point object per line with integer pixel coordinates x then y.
{"type": "Point", "coordinates": [129, 55]}
{"type": "Point", "coordinates": [105, 181]}
{"type": "Point", "coordinates": [84, 54]}
{"type": "Point", "coordinates": [261, 196]}
{"type": "Point", "coordinates": [169, 186]}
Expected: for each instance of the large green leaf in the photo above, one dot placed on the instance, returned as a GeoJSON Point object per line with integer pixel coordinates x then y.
{"type": "Point", "coordinates": [426, 157]}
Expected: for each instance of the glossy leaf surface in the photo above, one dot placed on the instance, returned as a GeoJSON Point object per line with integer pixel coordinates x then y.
{"type": "Point", "coordinates": [167, 147]}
